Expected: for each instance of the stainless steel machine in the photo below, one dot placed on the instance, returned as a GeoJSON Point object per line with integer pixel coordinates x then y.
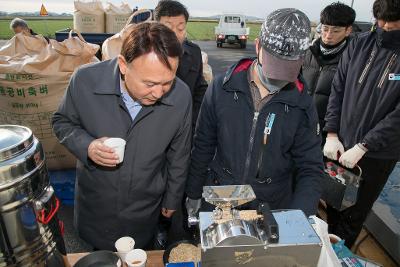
{"type": "Point", "coordinates": [232, 237]}
{"type": "Point", "coordinates": [29, 229]}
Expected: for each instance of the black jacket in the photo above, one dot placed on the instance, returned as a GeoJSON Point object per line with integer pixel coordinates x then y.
{"type": "Point", "coordinates": [364, 106]}
{"type": "Point", "coordinates": [190, 70]}
{"type": "Point", "coordinates": [318, 72]}
{"type": "Point", "coordinates": [229, 128]}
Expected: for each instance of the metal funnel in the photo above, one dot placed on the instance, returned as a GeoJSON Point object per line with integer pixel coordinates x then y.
{"type": "Point", "coordinates": [228, 196]}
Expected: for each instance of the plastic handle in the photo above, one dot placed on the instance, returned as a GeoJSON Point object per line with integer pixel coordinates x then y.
{"type": "Point", "coordinates": [42, 218]}
{"type": "Point", "coordinates": [78, 33]}
{"type": "Point", "coordinates": [270, 224]}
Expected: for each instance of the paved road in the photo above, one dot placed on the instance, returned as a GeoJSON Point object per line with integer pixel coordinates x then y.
{"type": "Point", "coordinates": [220, 59]}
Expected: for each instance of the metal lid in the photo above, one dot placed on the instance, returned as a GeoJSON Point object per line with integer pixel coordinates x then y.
{"type": "Point", "coordinates": [14, 140]}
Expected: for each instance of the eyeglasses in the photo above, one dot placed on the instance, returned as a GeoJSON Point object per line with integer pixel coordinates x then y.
{"type": "Point", "coordinates": [332, 29]}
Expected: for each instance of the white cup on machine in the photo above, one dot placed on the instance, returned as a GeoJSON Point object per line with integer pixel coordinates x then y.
{"type": "Point", "coordinates": [136, 258]}
{"type": "Point", "coordinates": [118, 144]}
{"type": "Point", "coordinates": [124, 245]}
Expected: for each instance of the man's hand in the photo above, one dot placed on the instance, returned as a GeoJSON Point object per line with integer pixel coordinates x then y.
{"type": "Point", "coordinates": [192, 206]}
{"type": "Point", "coordinates": [167, 213]}
{"type": "Point", "coordinates": [332, 147]}
{"type": "Point", "coordinates": [350, 158]}
{"type": "Point", "coordinates": [101, 154]}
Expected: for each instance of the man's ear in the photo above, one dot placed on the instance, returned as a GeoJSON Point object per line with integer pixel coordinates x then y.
{"type": "Point", "coordinates": [123, 65]}
{"type": "Point", "coordinates": [257, 40]}
{"type": "Point", "coordinates": [349, 30]}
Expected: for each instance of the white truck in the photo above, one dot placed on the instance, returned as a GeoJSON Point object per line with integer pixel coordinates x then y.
{"type": "Point", "coordinates": [232, 30]}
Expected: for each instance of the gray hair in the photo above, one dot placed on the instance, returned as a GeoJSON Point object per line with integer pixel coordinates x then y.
{"type": "Point", "coordinates": [17, 22]}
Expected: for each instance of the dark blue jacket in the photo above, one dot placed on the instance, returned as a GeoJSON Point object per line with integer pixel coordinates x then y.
{"type": "Point", "coordinates": [229, 128]}
{"type": "Point", "coordinates": [364, 105]}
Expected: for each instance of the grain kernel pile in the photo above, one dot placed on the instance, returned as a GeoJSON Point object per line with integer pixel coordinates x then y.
{"type": "Point", "coordinates": [246, 215]}
{"type": "Point", "coordinates": [185, 253]}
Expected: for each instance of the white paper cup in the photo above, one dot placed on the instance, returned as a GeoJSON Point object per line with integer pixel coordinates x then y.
{"type": "Point", "coordinates": [136, 258]}
{"type": "Point", "coordinates": [124, 245]}
{"type": "Point", "coordinates": [118, 144]}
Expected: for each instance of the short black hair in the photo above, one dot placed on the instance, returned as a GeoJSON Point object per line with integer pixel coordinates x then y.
{"type": "Point", "coordinates": [170, 8]}
{"type": "Point", "coordinates": [338, 14]}
{"type": "Point", "coordinates": [387, 10]}
{"type": "Point", "coordinates": [147, 37]}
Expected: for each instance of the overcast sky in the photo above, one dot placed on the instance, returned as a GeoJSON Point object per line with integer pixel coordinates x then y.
{"type": "Point", "coordinates": [258, 8]}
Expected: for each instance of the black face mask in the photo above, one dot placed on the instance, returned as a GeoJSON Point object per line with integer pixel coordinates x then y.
{"type": "Point", "coordinates": [388, 39]}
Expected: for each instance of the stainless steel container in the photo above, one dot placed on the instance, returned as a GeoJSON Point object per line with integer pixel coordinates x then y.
{"type": "Point", "coordinates": [29, 227]}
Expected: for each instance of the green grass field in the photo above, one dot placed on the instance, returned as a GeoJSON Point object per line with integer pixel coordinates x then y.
{"type": "Point", "coordinates": [45, 27]}
{"type": "Point", "coordinates": [197, 30]}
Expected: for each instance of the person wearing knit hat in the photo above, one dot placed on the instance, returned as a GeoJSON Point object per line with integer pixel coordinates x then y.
{"type": "Point", "coordinates": [257, 124]}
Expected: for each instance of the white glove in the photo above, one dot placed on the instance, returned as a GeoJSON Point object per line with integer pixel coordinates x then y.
{"type": "Point", "coordinates": [332, 147]}
{"type": "Point", "coordinates": [350, 158]}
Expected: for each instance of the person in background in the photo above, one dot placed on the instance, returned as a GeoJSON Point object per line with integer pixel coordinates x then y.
{"type": "Point", "coordinates": [363, 115]}
{"type": "Point", "coordinates": [257, 124]}
{"type": "Point", "coordinates": [174, 15]}
{"type": "Point", "coordinates": [19, 25]}
{"type": "Point", "coordinates": [136, 97]}
{"type": "Point", "coordinates": [323, 56]}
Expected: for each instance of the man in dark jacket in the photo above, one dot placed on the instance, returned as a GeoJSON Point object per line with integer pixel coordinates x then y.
{"type": "Point", "coordinates": [175, 16]}
{"type": "Point", "coordinates": [363, 114]}
{"type": "Point", "coordinates": [138, 98]}
{"type": "Point", "coordinates": [322, 58]}
{"type": "Point", "coordinates": [257, 125]}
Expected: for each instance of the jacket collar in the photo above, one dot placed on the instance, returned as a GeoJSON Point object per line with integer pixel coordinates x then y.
{"type": "Point", "coordinates": [231, 80]}
{"type": "Point", "coordinates": [389, 40]}
{"type": "Point", "coordinates": [107, 86]}
{"type": "Point", "coordinates": [186, 48]}
{"type": "Point", "coordinates": [327, 60]}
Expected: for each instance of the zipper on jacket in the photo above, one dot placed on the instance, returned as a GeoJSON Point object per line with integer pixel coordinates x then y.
{"type": "Point", "coordinates": [249, 151]}
{"type": "Point", "coordinates": [367, 67]}
{"type": "Point", "coordinates": [387, 69]}
{"type": "Point", "coordinates": [260, 159]}
{"type": "Point", "coordinates": [316, 81]}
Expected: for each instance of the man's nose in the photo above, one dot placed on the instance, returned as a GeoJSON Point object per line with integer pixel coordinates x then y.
{"type": "Point", "coordinates": [158, 91]}
{"type": "Point", "coordinates": [329, 34]}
